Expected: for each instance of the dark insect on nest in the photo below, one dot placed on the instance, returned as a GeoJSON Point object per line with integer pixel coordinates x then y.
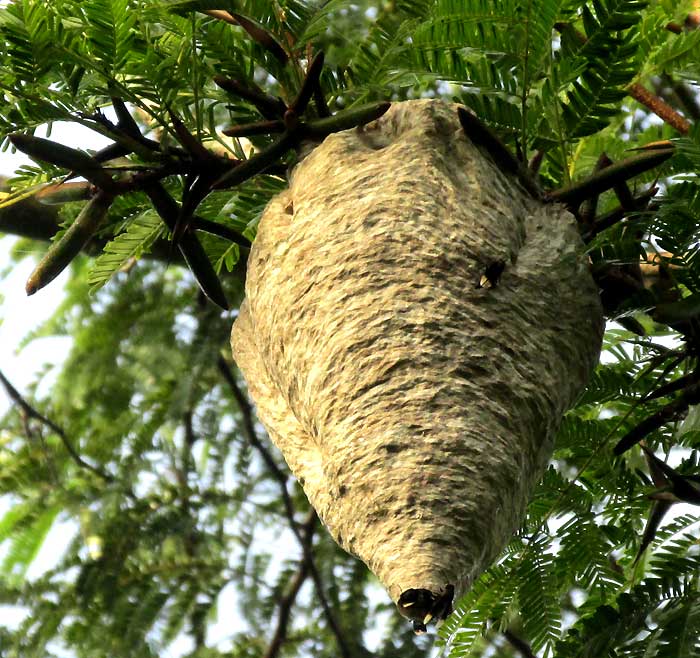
{"type": "Point", "coordinates": [423, 606]}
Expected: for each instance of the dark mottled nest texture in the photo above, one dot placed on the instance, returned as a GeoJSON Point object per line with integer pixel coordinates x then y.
{"type": "Point", "coordinates": [417, 409]}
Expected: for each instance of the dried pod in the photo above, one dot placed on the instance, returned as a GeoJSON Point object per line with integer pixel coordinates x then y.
{"type": "Point", "coordinates": [417, 409]}
{"type": "Point", "coordinates": [60, 155]}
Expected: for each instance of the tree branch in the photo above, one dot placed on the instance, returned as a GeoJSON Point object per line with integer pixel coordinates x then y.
{"type": "Point", "coordinates": [611, 176]}
{"type": "Point", "coordinates": [667, 413]}
{"type": "Point", "coordinates": [31, 412]}
{"type": "Point", "coordinates": [251, 435]}
{"type": "Point", "coordinates": [619, 213]}
{"type": "Point", "coordinates": [36, 221]}
{"type": "Point", "coordinates": [287, 601]}
{"type": "Point", "coordinates": [659, 107]}
{"type": "Point", "coordinates": [30, 219]}
{"type": "Point", "coordinates": [328, 612]}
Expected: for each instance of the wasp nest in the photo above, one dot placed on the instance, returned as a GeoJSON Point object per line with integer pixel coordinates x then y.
{"type": "Point", "coordinates": [415, 326]}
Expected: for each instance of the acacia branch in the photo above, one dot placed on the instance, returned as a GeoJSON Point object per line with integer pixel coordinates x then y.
{"type": "Point", "coordinates": [659, 107]}
{"type": "Point", "coordinates": [31, 412]}
{"type": "Point", "coordinates": [609, 177]}
{"type": "Point", "coordinates": [182, 471]}
{"type": "Point", "coordinates": [589, 207]}
{"type": "Point", "coordinates": [669, 412]}
{"type": "Point", "coordinates": [36, 221]}
{"type": "Point", "coordinates": [619, 213]}
{"type": "Point", "coordinates": [328, 612]}
{"type": "Point", "coordinates": [287, 601]}
{"type": "Point", "coordinates": [251, 435]}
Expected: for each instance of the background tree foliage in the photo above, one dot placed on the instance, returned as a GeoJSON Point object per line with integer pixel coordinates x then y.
{"type": "Point", "coordinates": [147, 448]}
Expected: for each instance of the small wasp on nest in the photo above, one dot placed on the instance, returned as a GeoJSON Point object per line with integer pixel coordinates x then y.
{"type": "Point", "coordinates": [422, 607]}
{"type": "Point", "coordinates": [492, 274]}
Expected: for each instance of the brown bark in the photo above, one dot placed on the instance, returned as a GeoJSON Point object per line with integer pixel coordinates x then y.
{"type": "Point", "coordinates": [659, 107]}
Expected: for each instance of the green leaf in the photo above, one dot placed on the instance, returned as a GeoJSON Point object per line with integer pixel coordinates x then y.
{"type": "Point", "coordinates": [595, 67]}
{"type": "Point", "coordinates": [25, 545]}
{"type": "Point", "coordinates": [538, 598]}
{"type": "Point", "coordinates": [679, 628]}
{"type": "Point", "coordinates": [110, 31]}
{"type": "Point", "coordinates": [139, 235]}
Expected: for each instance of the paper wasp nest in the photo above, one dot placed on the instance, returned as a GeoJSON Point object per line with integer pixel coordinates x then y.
{"type": "Point", "coordinates": [416, 408]}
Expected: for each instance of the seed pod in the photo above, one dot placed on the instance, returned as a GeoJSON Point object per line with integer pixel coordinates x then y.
{"type": "Point", "coordinates": [417, 409]}
{"type": "Point", "coordinates": [255, 164]}
{"type": "Point", "coordinates": [311, 82]}
{"type": "Point", "coordinates": [355, 116]}
{"type": "Point", "coordinates": [257, 128]}
{"type": "Point", "coordinates": [261, 36]}
{"type": "Point", "coordinates": [63, 156]}
{"type": "Point", "coordinates": [189, 245]}
{"type": "Point", "coordinates": [270, 107]}
{"type": "Point", "coordinates": [68, 246]}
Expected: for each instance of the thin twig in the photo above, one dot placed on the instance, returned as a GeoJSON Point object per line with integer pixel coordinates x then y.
{"type": "Point", "coordinates": [189, 245]}
{"type": "Point", "coordinates": [251, 435]}
{"type": "Point", "coordinates": [535, 162]}
{"type": "Point", "coordinates": [690, 396]}
{"type": "Point", "coordinates": [674, 386]}
{"type": "Point", "coordinates": [29, 433]}
{"type": "Point", "coordinates": [214, 228]}
{"type": "Point", "coordinates": [183, 471]}
{"type": "Point", "coordinates": [252, 438]}
{"type": "Point", "coordinates": [607, 178]}
{"type": "Point", "coordinates": [330, 616]}
{"type": "Point", "coordinates": [31, 412]}
{"type": "Point", "coordinates": [619, 213]}
{"type": "Point", "coordinates": [589, 207]}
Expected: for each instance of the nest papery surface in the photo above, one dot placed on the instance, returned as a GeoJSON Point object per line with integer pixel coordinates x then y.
{"type": "Point", "coordinates": [417, 409]}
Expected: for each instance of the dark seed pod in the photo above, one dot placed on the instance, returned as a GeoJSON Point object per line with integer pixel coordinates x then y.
{"type": "Point", "coordinates": [69, 245]}
{"type": "Point", "coordinates": [60, 193]}
{"type": "Point", "coordinates": [356, 116]}
{"type": "Point", "coordinates": [69, 158]}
